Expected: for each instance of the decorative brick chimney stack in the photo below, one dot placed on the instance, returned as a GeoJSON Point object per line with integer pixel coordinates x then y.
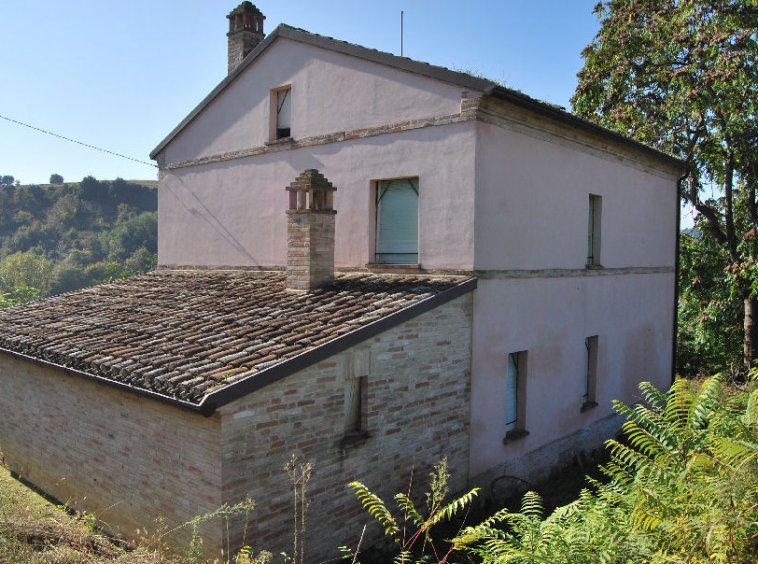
{"type": "Point", "coordinates": [310, 232]}
{"type": "Point", "coordinates": [245, 32]}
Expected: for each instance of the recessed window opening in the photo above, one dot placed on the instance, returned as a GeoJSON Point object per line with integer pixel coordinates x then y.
{"type": "Point", "coordinates": [590, 373]}
{"type": "Point", "coordinates": [355, 406]}
{"type": "Point", "coordinates": [515, 397]}
{"type": "Point", "coordinates": [397, 221]}
{"type": "Point", "coordinates": [593, 230]}
{"type": "Point", "coordinates": [511, 393]}
{"type": "Point", "coordinates": [283, 113]}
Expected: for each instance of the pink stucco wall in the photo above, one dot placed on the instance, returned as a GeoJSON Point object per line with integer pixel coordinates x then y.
{"type": "Point", "coordinates": [503, 193]}
{"type": "Point", "coordinates": [330, 92]}
{"type": "Point", "coordinates": [536, 294]}
{"type": "Point", "coordinates": [632, 316]}
{"type": "Point", "coordinates": [233, 213]}
{"type": "Point", "coordinates": [532, 194]}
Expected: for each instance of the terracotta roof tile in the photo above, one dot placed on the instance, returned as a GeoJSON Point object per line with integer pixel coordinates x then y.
{"type": "Point", "coordinates": [184, 334]}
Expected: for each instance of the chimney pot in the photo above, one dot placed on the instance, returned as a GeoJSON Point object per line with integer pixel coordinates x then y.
{"type": "Point", "coordinates": [245, 32]}
{"type": "Point", "coordinates": [310, 232]}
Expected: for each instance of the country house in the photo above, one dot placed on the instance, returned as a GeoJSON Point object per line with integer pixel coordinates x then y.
{"type": "Point", "coordinates": [365, 261]}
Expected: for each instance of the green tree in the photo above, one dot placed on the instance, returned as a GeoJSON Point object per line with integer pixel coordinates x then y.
{"type": "Point", "coordinates": [26, 274]}
{"type": "Point", "coordinates": [8, 181]}
{"type": "Point", "coordinates": [706, 309]}
{"type": "Point", "coordinates": [56, 179]}
{"type": "Point", "coordinates": [681, 75]}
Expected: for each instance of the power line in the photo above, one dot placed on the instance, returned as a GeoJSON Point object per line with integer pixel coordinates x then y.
{"type": "Point", "coordinates": [77, 142]}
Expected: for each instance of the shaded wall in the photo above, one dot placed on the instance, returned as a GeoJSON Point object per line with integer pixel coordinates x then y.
{"type": "Point", "coordinates": [125, 459]}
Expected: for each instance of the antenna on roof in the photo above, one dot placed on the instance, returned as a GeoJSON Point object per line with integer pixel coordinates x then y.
{"type": "Point", "coordinates": [401, 33]}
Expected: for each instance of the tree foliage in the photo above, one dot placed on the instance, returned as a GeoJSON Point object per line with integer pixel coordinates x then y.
{"type": "Point", "coordinates": [82, 232]}
{"type": "Point", "coordinates": [710, 324]}
{"type": "Point", "coordinates": [681, 488]}
{"type": "Point", "coordinates": [681, 75]}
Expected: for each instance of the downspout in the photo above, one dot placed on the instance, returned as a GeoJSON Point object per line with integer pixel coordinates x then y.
{"type": "Point", "coordinates": [676, 274]}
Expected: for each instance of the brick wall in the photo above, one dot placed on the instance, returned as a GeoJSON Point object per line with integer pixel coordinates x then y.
{"type": "Point", "coordinates": [417, 407]}
{"type": "Point", "coordinates": [124, 458]}
{"type": "Point", "coordinates": [310, 248]}
{"type": "Point", "coordinates": [129, 459]}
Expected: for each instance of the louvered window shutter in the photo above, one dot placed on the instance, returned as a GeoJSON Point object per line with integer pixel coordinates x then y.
{"type": "Point", "coordinates": [397, 221]}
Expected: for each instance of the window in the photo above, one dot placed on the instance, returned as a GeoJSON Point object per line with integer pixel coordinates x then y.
{"type": "Point", "coordinates": [397, 221]}
{"type": "Point", "coordinates": [281, 113]}
{"type": "Point", "coordinates": [355, 407]}
{"type": "Point", "coordinates": [355, 368]}
{"type": "Point", "coordinates": [515, 397]}
{"type": "Point", "coordinates": [590, 373]}
{"type": "Point", "coordinates": [593, 230]}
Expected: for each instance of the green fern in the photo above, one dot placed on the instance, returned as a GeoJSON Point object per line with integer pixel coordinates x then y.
{"type": "Point", "coordinates": [416, 541]}
{"type": "Point", "coordinates": [376, 508]}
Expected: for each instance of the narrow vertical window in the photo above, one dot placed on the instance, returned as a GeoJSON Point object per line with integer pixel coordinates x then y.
{"type": "Point", "coordinates": [281, 106]}
{"type": "Point", "coordinates": [590, 373]}
{"type": "Point", "coordinates": [397, 221]}
{"type": "Point", "coordinates": [355, 407]}
{"type": "Point", "coordinates": [515, 397]}
{"type": "Point", "coordinates": [593, 230]}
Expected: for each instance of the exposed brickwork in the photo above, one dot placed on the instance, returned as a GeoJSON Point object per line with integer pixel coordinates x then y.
{"type": "Point", "coordinates": [417, 413]}
{"type": "Point", "coordinates": [310, 232]}
{"type": "Point", "coordinates": [245, 32]}
{"type": "Point", "coordinates": [124, 458]}
{"type": "Point", "coordinates": [310, 249]}
{"type": "Point", "coordinates": [130, 459]}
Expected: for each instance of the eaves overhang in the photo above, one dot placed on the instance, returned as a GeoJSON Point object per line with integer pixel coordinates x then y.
{"type": "Point", "coordinates": [554, 112]}
{"type": "Point", "coordinates": [461, 79]}
{"type": "Point", "coordinates": [287, 32]}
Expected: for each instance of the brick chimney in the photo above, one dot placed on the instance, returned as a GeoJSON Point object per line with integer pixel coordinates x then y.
{"type": "Point", "coordinates": [245, 32]}
{"type": "Point", "coordinates": [310, 232]}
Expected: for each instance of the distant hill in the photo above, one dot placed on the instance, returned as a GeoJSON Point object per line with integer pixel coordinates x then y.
{"type": "Point", "coordinates": [87, 231]}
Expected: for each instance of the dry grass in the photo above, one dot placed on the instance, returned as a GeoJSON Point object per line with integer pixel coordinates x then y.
{"type": "Point", "coordinates": [35, 531]}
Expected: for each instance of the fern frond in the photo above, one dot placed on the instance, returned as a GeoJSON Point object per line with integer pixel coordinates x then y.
{"type": "Point", "coordinates": [656, 398]}
{"type": "Point", "coordinates": [531, 504]}
{"type": "Point", "coordinates": [446, 513]}
{"type": "Point", "coordinates": [375, 507]}
{"type": "Point", "coordinates": [734, 453]}
{"type": "Point", "coordinates": [751, 411]}
{"type": "Point", "coordinates": [406, 504]}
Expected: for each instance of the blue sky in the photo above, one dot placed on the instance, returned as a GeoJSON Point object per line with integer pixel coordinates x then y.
{"type": "Point", "coordinates": [122, 75]}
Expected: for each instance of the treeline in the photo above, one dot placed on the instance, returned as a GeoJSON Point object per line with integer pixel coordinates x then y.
{"type": "Point", "coordinates": [61, 237]}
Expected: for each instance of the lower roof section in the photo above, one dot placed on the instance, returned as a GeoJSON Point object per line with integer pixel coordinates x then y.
{"type": "Point", "coordinates": [201, 339]}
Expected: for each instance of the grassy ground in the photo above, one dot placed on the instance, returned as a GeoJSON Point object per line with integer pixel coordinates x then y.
{"type": "Point", "coordinates": [34, 530]}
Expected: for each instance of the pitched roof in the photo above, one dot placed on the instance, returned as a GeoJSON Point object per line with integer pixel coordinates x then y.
{"type": "Point", "coordinates": [203, 338]}
{"type": "Point", "coordinates": [462, 79]}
